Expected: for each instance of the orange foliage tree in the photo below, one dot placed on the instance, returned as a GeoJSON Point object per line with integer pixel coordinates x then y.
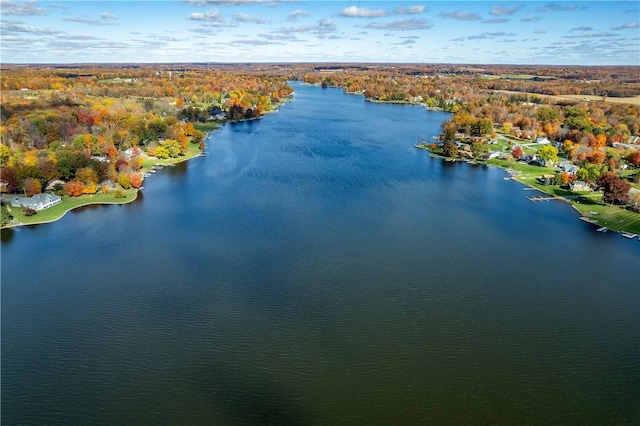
{"type": "Point", "coordinates": [136, 180]}
{"type": "Point", "coordinates": [74, 188]}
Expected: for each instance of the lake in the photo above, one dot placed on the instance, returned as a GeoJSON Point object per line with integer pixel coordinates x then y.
{"type": "Point", "coordinates": [316, 268]}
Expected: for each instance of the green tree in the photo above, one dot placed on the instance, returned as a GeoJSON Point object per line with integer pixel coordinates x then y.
{"type": "Point", "coordinates": [172, 146]}
{"type": "Point", "coordinates": [478, 148]}
{"type": "Point", "coordinates": [548, 153]}
{"type": "Point", "coordinates": [5, 216]}
{"type": "Point", "coordinates": [482, 127]}
{"type": "Point", "coordinates": [5, 154]}
{"type": "Point", "coordinates": [546, 115]}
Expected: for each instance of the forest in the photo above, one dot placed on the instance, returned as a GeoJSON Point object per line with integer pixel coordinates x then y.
{"type": "Point", "coordinates": [70, 129]}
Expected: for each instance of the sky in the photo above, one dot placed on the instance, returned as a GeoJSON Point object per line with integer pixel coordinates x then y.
{"type": "Point", "coordinates": [472, 32]}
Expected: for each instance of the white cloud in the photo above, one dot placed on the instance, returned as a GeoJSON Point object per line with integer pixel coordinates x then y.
{"type": "Point", "coordinates": [554, 7]}
{"type": "Point", "coordinates": [108, 16]}
{"type": "Point", "coordinates": [27, 8]}
{"type": "Point", "coordinates": [296, 14]}
{"type": "Point", "coordinates": [221, 2]}
{"type": "Point", "coordinates": [411, 10]}
{"type": "Point", "coordinates": [495, 21]}
{"type": "Point", "coordinates": [460, 15]}
{"type": "Point", "coordinates": [362, 12]}
{"type": "Point", "coordinates": [11, 27]}
{"type": "Point", "coordinates": [210, 16]}
{"type": "Point", "coordinates": [629, 25]}
{"type": "Point", "coordinates": [242, 17]}
{"type": "Point", "coordinates": [402, 25]}
{"type": "Point", "coordinates": [501, 11]}
{"type": "Point", "coordinates": [530, 18]}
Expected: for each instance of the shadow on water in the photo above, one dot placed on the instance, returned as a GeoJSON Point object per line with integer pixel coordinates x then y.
{"type": "Point", "coordinates": [6, 235]}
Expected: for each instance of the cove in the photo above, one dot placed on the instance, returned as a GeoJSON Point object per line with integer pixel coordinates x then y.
{"type": "Point", "coordinates": [315, 268]}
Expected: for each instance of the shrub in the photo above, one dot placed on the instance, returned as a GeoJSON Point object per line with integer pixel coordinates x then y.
{"type": "Point", "coordinates": [27, 211]}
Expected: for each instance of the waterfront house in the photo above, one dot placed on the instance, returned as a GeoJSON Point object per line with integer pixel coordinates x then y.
{"type": "Point", "coordinates": [580, 185]}
{"type": "Point", "coordinates": [542, 141]}
{"type": "Point", "coordinates": [37, 202]}
{"type": "Point", "coordinates": [568, 167]}
{"type": "Point", "coordinates": [547, 179]}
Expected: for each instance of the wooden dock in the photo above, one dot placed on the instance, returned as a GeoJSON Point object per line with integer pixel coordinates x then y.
{"type": "Point", "coordinates": [540, 198]}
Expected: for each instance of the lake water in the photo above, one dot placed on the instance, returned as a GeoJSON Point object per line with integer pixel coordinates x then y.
{"type": "Point", "coordinates": [316, 268]}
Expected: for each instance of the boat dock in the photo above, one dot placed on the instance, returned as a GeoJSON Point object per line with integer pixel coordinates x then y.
{"type": "Point", "coordinates": [540, 198]}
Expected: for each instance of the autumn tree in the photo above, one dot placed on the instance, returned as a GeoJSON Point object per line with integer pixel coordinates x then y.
{"type": "Point", "coordinates": [448, 131]}
{"type": "Point", "coordinates": [449, 149]}
{"type": "Point", "coordinates": [517, 151]}
{"type": "Point", "coordinates": [90, 187]}
{"type": "Point", "coordinates": [616, 189]}
{"type": "Point", "coordinates": [633, 159]}
{"type": "Point", "coordinates": [136, 181]}
{"type": "Point", "coordinates": [8, 179]}
{"type": "Point", "coordinates": [74, 188]}
{"type": "Point", "coordinates": [548, 153]}
{"type": "Point", "coordinates": [86, 175]}
{"type": "Point", "coordinates": [124, 180]}
{"type": "Point", "coordinates": [31, 186]}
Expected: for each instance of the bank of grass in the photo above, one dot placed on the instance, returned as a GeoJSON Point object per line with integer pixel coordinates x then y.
{"type": "Point", "coordinates": [69, 203]}
{"type": "Point", "coordinates": [588, 204]}
{"type": "Point", "coordinates": [206, 127]}
{"type": "Point", "coordinates": [193, 150]}
{"type": "Point", "coordinates": [611, 217]}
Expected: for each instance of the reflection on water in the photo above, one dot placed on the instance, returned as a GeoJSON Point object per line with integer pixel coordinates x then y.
{"type": "Point", "coordinates": [315, 267]}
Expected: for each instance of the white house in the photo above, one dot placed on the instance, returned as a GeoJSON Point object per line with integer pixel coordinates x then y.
{"type": "Point", "coordinates": [37, 202]}
{"type": "Point", "coordinates": [542, 141]}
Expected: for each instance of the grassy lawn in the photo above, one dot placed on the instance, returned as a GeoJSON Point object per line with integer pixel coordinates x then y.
{"type": "Point", "coordinates": [206, 127]}
{"type": "Point", "coordinates": [613, 217]}
{"type": "Point", "coordinates": [148, 162]}
{"type": "Point", "coordinates": [70, 203]}
{"type": "Point", "coordinates": [589, 204]}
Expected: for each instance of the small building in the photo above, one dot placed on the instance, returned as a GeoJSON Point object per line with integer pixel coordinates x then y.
{"type": "Point", "coordinates": [568, 167]}
{"type": "Point", "coordinates": [543, 141]}
{"type": "Point", "coordinates": [580, 185]}
{"type": "Point", "coordinates": [537, 161]}
{"type": "Point", "coordinates": [547, 179]}
{"type": "Point", "coordinates": [37, 202]}
{"type": "Point", "coordinates": [492, 154]}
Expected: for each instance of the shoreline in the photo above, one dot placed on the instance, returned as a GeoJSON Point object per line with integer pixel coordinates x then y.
{"type": "Point", "coordinates": [166, 163]}
{"type": "Point", "coordinates": [64, 213]}
{"type": "Point", "coordinates": [514, 174]}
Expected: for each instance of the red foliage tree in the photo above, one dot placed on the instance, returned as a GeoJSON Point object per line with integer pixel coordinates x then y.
{"type": "Point", "coordinates": [634, 159]}
{"type": "Point", "coordinates": [8, 178]}
{"type": "Point", "coordinates": [517, 152]}
{"type": "Point", "coordinates": [616, 189]}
